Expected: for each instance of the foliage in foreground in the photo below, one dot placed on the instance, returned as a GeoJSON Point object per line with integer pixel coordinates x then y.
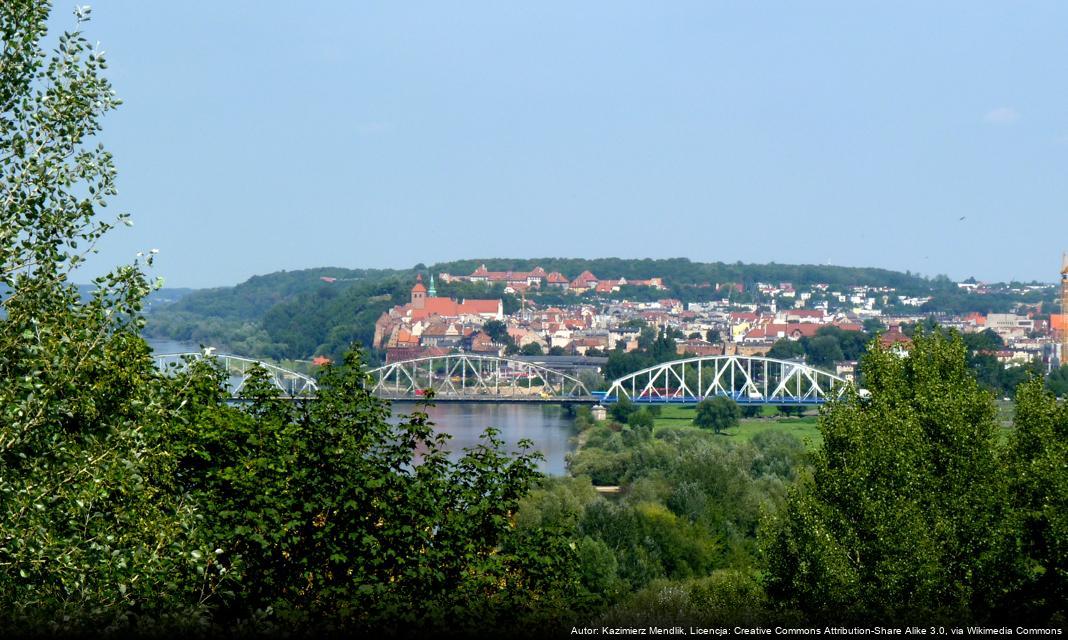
{"type": "Point", "coordinates": [907, 511]}
{"type": "Point", "coordinates": [330, 513]}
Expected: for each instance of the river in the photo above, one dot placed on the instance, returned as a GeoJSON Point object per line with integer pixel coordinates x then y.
{"type": "Point", "coordinates": [548, 426]}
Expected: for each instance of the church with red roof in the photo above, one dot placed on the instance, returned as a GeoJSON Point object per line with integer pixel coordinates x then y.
{"type": "Point", "coordinates": [400, 321]}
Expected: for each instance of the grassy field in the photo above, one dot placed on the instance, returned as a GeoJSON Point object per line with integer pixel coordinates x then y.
{"type": "Point", "coordinates": [803, 427]}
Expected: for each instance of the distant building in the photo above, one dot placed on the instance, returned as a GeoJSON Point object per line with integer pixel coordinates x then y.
{"type": "Point", "coordinates": [402, 325]}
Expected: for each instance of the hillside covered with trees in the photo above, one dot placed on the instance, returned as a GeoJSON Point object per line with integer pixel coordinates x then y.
{"type": "Point", "coordinates": [297, 315]}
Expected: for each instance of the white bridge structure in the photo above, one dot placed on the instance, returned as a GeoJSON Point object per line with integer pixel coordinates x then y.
{"type": "Point", "coordinates": [291, 383]}
{"type": "Point", "coordinates": [745, 379]}
{"type": "Point", "coordinates": [466, 377]}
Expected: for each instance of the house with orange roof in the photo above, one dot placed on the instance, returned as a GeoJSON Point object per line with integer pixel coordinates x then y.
{"type": "Point", "coordinates": [482, 343]}
{"type": "Point", "coordinates": [583, 282]}
{"type": "Point", "coordinates": [609, 286]}
{"type": "Point", "coordinates": [895, 339]}
{"type": "Point", "coordinates": [975, 319]}
{"type": "Point", "coordinates": [557, 280]}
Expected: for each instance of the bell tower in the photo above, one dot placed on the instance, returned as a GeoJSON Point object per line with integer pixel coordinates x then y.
{"type": "Point", "coordinates": [418, 293]}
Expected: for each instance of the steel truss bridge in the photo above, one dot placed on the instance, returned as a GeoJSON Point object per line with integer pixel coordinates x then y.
{"type": "Point", "coordinates": [292, 384]}
{"type": "Point", "coordinates": [465, 377]}
{"type": "Point", "coordinates": [745, 379]}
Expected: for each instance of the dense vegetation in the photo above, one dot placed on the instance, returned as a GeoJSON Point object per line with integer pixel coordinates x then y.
{"type": "Point", "coordinates": [133, 501]}
{"type": "Point", "coordinates": [903, 511]}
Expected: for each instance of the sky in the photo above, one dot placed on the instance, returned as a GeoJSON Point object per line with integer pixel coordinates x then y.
{"type": "Point", "coordinates": [261, 136]}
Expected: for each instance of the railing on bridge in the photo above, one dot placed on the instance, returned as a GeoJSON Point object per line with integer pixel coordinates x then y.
{"type": "Point", "coordinates": [469, 377]}
{"type": "Point", "coordinates": [291, 383]}
{"type": "Point", "coordinates": [746, 379]}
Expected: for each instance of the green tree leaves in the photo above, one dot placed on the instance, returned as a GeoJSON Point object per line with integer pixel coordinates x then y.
{"type": "Point", "coordinates": [1038, 480]}
{"type": "Point", "coordinates": [718, 414]}
{"type": "Point", "coordinates": [904, 510]}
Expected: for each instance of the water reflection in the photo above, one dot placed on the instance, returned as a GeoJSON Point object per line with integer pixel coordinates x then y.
{"type": "Point", "coordinates": [548, 426]}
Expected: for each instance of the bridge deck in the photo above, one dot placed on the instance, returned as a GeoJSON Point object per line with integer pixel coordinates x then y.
{"type": "Point", "coordinates": [440, 399]}
{"type": "Point", "coordinates": [788, 402]}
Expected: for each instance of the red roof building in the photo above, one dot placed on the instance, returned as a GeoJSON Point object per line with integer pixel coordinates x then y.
{"type": "Point", "coordinates": [556, 279]}
{"type": "Point", "coordinates": [585, 280]}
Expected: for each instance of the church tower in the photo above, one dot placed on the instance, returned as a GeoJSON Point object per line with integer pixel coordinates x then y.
{"type": "Point", "coordinates": [433, 293]}
{"type": "Point", "coordinates": [418, 293]}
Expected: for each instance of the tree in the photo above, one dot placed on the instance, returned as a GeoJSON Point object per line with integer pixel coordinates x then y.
{"type": "Point", "coordinates": [327, 509]}
{"type": "Point", "coordinates": [531, 349]}
{"type": "Point", "coordinates": [498, 331]}
{"type": "Point", "coordinates": [986, 340]}
{"type": "Point", "coordinates": [785, 349]}
{"type": "Point", "coordinates": [1057, 382]}
{"type": "Point", "coordinates": [823, 351]}
{"type": "Point", "coordinates": [873, 325]}
{"type": "Point", "coordinates": [641, 418]}
{"type": "Point", "coordinates": [717, 413]}
{"type": "Point", "coordinates": [622, 409]}
{"type": "Point", "coordinates": [646, 337]}
{"type": "Point", "coordinates": [664, 347]}
{"type": "Point", "coordinates": [851, 343]}
{"type": "Point", "coordinates": [790, 410]}
{"type": "Point", "coordinates": [904, 512]}
{"type": "Point", "coordinates": [712, 336]}
{"type": "Point", "coordinates": [752, 410]}
{"type": "Point", "coordinates": [91, 538]}
{"type": "Point", "coordinates": [1038, 480]}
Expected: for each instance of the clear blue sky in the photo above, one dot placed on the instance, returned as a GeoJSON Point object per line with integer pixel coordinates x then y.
{"type": "Point", "coordinates": [259, 136]}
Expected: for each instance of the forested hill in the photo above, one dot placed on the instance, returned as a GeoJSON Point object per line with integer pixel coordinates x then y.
{"type": "Point", "coordinates": [299, 314]}
{"type": "Point", "coordinates": [251, 299]}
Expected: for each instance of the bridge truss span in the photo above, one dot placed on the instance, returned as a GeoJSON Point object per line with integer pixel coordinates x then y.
{"type": "Point", "coordinates": [238, 368]}
{"type": "Point", "coordinates": [746, 379]}
{"type": "Point", "coordinates": [470, 377]}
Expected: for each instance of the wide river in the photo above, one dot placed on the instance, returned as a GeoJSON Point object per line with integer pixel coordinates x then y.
{"type": "Point", "coordinates": [548, 426]}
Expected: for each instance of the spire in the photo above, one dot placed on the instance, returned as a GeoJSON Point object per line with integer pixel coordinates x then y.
{"type": "Point", "coordinates": [432, 292]}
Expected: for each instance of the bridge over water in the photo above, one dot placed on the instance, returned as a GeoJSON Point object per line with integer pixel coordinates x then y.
{"type": "Point", "coordinates": [290, 383]}
{"type": "Point", "coordinates": [465, 377]}
{"type": "Point", "coordinates": [471, 378]}
{"type": "Point", "coordinates": [746, 379]}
